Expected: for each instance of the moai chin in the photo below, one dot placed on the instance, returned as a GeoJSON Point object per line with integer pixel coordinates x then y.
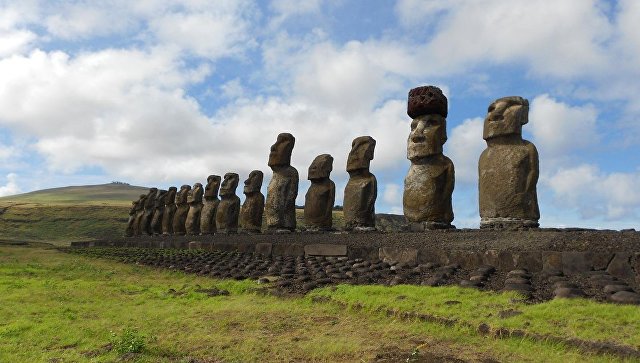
{"type": "Point", "coordinates": [139, 215]}
{"type": "Point", "coordinates": [253, 206]}
{"type": "Point", "coordinates": [194, 199]}
{"type": "Point", "coordinates": [182, 209]}
{"type": "Point", "coordinates": [229, 207]}
{"type": "Point", "coordinates": [508, 168]}
{"type": "Point", "coordinates": [361, 190]}
{"type": "Point", "coordinates": [211, 201]}
{"type": "Point", "coordinates": [280, 207]}
{"type": "Point", "coordinates": [158, 212]}
{"type": "Point", "coordinates": [169, 211]}
{"type": "Point", "coordinates": [149, 206]}
{"type": "Point", "coordinates": [129, 232]}
{"type": "Point", "coordinates": [429, 183]}
{"type": "Point", "coordinates": [318, 205]}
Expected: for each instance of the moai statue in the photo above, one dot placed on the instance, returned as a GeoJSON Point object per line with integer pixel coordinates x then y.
{"type": "Point", "coordinates": [429, 184]}
{"type": "Point", "coordinates": [229, 207]}
{"type": "Point", "coordinates": [318, 205]}
{"type": "Point", "coordinates": [129, 232]}
{"type": "Point", "coordinates": [182, 209]}
{"type": "Point", "coordinates": [362, 188]}
{"type": "Point", "coordinates": [158, 212]}
{"type": "Point", "coordinates": [169, 211]}
{"type": "Point", "coordinates": [149, 205]}
{"type": "Point", "coordinates": [280, 208]}
{"type": "Point", "coordinates": [253, 206]}
{"type": "Point", "coordinates": [194, 199]}
{"type": "Point", "coordinates": [137, 223]}
{"type": "Point", "coordinates": [211, 201]}
{"type": "Point", "coordinates": [508, 168]}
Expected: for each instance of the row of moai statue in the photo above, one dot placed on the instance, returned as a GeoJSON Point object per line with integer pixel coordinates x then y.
{"type": "Point", "coordinates": [186, 212]}
{"type": "Point", "coordinates": [508, 174]}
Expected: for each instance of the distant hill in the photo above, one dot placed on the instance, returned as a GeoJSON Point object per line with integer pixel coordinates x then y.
{"type": "Point", "coordinates": [104, 193]}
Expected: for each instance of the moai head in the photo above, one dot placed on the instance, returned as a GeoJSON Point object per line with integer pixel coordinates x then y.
{"type": "Point", "coordinates": [151, 198]}
{"type": "Point", "coordinates": [506, 116]}
{"type": "Point", "coordinates": [181, 196]}
{"type": "Point", "coordinates": [171, 195]}
{"type": "Point", "coordinates": [321, 167]}
{"type": "Point", "coordinates": [361, 153]}
{"type": "Point", "coordinates": [253, 182]}
{"type": "Point", "coordinates": [195, 194]}
{"type": "Point", "coordinates": [427, 107]}
{"type": "Point", "coordinates": [229, 184]}
{"type": "Point", "coordinates": [160, 198]}
{"type": "Point", "coordinates": [280, 154]}
{"type": "Point", "coordinates": [211, 190]}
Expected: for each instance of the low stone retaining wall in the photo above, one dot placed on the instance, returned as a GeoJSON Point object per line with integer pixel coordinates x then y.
{"type": "Point", "coordinates": [570, 251]}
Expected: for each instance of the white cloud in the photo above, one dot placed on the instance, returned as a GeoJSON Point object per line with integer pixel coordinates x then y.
{"type": "Point", "coordinates": [416, 12]}
{"type": "Point", "coordinates": [463, 147]}
{"type": "Point", "coordinates": [392, 193]}
{"type": "Point", "coordinates": [11, 187]}
{"type": "Point", "coordinates": [559, 128]}
{"type": "Point", "coordinates": [593, 193]}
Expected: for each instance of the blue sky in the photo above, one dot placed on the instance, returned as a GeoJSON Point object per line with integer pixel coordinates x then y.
{"type": "Point", "coordinates": [161, 93]}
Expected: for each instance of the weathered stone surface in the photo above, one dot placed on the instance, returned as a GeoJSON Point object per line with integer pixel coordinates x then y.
{"type": "Point", "coordinates": [158, 212]}
{"type": "Point", "coordinates": [253, 206]}
{"type": "Point", "coordinates": [264, 248]}
{"type": "Point", "coordinates": [552, 260]}
{"type": "Point", "coordinates": [210, 205]}
{"type": "Point", "coordinates": [466, 258]}
{"type": "Point", "coordinates": [169, 210]}
{"type": "Point", "coordinates": [625, 297]}
{"type": "Point", "coordinates": [574, 262]}
{"type": "Point", "coordinates": [599, 260]}
{"type": "Point", "coordinates": [229, 208]}
{"type": "Point", "coordinates": [568, 293]}
{"type": "Point", "coordinates": [145, 220]}
{"type": "Point", "coordinates": [287, 249]}
{"type": "Point", "coordinates": [429, 183]}
{"type": "Point", "coordinates": [612, 289]}
{"type": "Point", "coordinates": [318, 206]}
{"type": "Point", "coordinates": [407, 256]}
{"type": "Point", "coordinates": [322, 249]}
{"type": "Point", "coordinates": [280, 207]}
{"type": "Point", "coordinates": [508, 169]}
{"type": "Point", "coordinates": [529, 260]}
{"type": "Point", "coordinates": [182, 209]}
{"type": "Point", "coordinates": [130, 231]}
{"type": "Point", "coordinates": [361, 190]}
{"type": "Point", "coordinates": [620, 266]}
{"type": "Point", "coordinates": [194, 199]}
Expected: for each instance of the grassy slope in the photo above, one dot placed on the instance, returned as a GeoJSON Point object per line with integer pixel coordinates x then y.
{"type": "Point", "coordinates": [42, 290]}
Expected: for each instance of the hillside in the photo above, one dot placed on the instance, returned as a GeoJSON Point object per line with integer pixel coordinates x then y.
{"type": "Point", "coordinates": [112, 193]}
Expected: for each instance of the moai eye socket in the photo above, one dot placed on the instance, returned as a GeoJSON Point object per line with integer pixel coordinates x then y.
{"type": "Point", "coordinates": [491, 108]}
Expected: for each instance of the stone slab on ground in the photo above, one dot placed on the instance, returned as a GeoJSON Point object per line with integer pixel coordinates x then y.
{"type": "Point", "coordinates": [321, 249]}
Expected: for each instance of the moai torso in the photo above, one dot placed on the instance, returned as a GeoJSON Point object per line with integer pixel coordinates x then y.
{"type": "Point", "coordinates": [194, 198]}
{"type": "Point", "coordinates": [149, 206]}
{"type": "Point", "coordinates": [361, 191]}
{"type": "Point", "coordinates": [129, 232]}
{"type": "Point", "coordinates": [319, 200]}
{"type": "Point", "coordinates": [280, 206]}
{"type": "Point", "coordinates": [158, 212]}
{"type": "Point", "coordinates": [138, 222]}
{"type": "Point", "coordinates": [182, 209]}
{"type": "Point", "coordinates": [253, 207]}
{"type": "Point", "coordinates": [211, 201]}
{"type": "Point", "coordinates": [508, 168]}
{"type": "Point", "coordinates": [428, 186]}
{"type": "Point", "coordinates": [169, 211]}
{"type": "Point", "coordinates": [229, 207]}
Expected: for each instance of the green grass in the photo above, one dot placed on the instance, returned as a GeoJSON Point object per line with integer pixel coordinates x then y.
{"type": "Point", "coordinates": [63, 307]}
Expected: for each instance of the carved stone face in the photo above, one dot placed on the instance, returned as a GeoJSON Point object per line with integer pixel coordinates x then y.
{"type": "Point", "coordinates": [181, 196]}
{"type": "Point", "coordinates": [428, 135]}
{"type": "Point", "coordinates": [213, 183]}
{"type": "Point", "coordinates": [229, 184]}
{"type": "Point", "coordinates": [151, 198]}
{"type": "Point", "coordinates": [195, 195]}
{"type": "Point", "coordinates": [280, 154]}
{"type": "Point", "coordinates": [171, 195]}
{"type": "Point", "coordinates": [253, 182]}
{"type": "Point", "coordinates": [160, 198]}
{"type": "Point", "coordinates": [321, 167]}
{"type": "Point", "coordinates": [506, 116]}
{"type": "Point", "coordinates": [361, 153]}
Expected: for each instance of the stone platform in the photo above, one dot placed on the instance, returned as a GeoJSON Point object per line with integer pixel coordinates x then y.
{"type": "Point", "coordinates": [571, 251]}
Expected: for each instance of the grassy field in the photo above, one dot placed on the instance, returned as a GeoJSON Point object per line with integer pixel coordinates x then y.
{"type": "Point", "coordinates": [59, 307]}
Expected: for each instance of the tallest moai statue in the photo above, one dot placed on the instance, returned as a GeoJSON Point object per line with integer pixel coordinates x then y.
{"type": "Point", "coordinates": [280, 207]}
{"type": "Point", "coordinates": [429, 184]}
{"type": "Point", "coordinates": [508, 168]}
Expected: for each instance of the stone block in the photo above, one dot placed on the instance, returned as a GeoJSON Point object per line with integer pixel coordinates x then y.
{"type": "Point", "coordinates": [552, 260]}
{"type": "Point", "coordinates": [287, 249]}
{"type": "Point", "coordinates": [431, 255]}
{"type": "Point", "coordinates": [367, 253]}
{"type": "Point", "coordinates": [505, 261]}
{"type": "Point", "coordinates": [599, 260]}
{"type": "Point", "coordinates": [401, 255]}
{"type": "Point", "coordinates": [225, 246]}
{"type": "Point", "coordinates": [195, 245]}
{"type": "Point", "coordinates": [490, 257]}
{"type": "Point", "coordinates": [324, 249]}
{"type": "Point", "coordinates": [529, 260]}
{"type": "Point", "coordinates": [575, 262]}
{"type": "Point", "coordinates": [620, 266]}
{"type": "Point", "coordinates": [466, 259]}
{"type": "Point", "coordinates": [264, 248]}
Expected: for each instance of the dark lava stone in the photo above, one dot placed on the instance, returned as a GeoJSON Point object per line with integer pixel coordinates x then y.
{"type": "Point", "coordinates": [303, 278]}
{"type": "Point", "coordinates": [517, 280]}
{"type": "Point", "coordinates": [287, 276]}
{"type": "Point", "coordinates": [433, 281]}
{"type": "Point", "coordinates": [479, 277]}
{"type": "Point", "coordinates": [625, 297]}
{"type": "Point", "coordinates": [309, 286]}
{"type": "Point", "coordinates": [396, 281]}
{"type": "Point", "coordinates": [545, 274]}
{"type": "Point", "coordinates": [565, 283]}
{"type": "Point", "coordinates": [470, 283]}
{"type": "Point", "coordinates": [612, 289]}
{"type": "Point", "coordinates": [486, 269]}
{"type": "Point", "coordinates": [519, 273]}
{"type": "Point", "coordinates": [515, 287]}
{"type": "Point", "coordinates": [332, 270]}
{"type": "Point", "coordinates": [323, 280]}
{"type": "Point", "coordinates": [554, 279]}
{"type": "Point", "coordinates": [568, 292]}
{"type": "Point", "coordinates": [339, 276]}
{"type": "Point", "coordinates": [283, 283]}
